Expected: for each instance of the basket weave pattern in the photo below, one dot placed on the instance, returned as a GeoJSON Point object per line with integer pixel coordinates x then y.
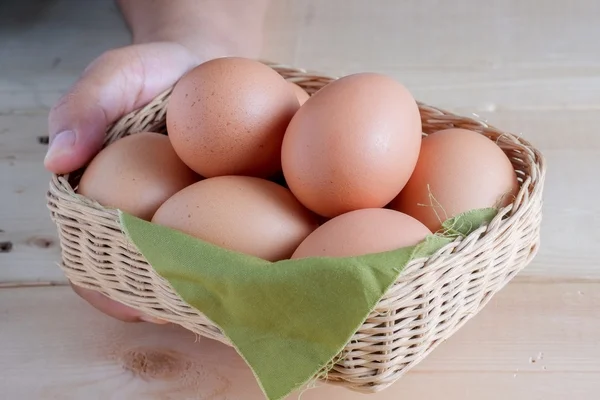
{"type": "Point", "coordinates": [431, 299]}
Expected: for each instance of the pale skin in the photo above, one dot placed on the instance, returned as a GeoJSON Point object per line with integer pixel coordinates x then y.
{"type": "Point", "coordinates": [168, 39]}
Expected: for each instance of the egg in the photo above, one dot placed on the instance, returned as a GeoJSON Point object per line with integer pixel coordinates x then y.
{"type": "Point", "coordinates": [228, 116]}
{"type": "Point", "coordinates": [136, 174]}
{"type": "Point", "coordinates": [458, 170]}
{"type": "Point", "coordinates": [352, 145]}
{"type": "Point", "coordinates": [300, 93]}
{"type": "Point", "coordinates": [244, 214]}
{"type": "Point", "coordinates": [360, 232]}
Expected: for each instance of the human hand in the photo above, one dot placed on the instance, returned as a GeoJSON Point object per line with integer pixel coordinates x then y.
{"type": "Point", "coordinates": [170, 39]}
{"type": "Point", "coordinates": [117, 82]}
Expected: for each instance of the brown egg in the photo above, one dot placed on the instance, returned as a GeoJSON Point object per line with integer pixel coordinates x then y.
{"type": "Point", "coordinates": [228, 117]}
{"type": "Point", "coordinates": [301, 94]}
{"type": "Point", "coordinates": [244, 214]}
{"type": "Point", "coordinates": [458, 170]}
{"type": "Point", "coordinates": [352, 145]}
{"type": "Point", "coordinates": [367, 231]}
{"type": "Point", "coordinates": [136, 174]}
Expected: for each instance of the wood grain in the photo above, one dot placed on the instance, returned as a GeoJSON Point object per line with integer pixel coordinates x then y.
{"type": "Point", "coordinates": [533, 340]}
{"type": "Point", "coordinates": [24, 218]}
{"type": "Point", "coordinates": [569, 208]}
{"type": "Point", "coordinates": [521, 66]}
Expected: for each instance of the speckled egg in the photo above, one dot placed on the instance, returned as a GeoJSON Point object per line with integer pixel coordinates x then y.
{"type": "Point", "coordinates": [136, 174]}
{"type": "Point", "coordinates": [361, 232]}
{"type": "Point", "coordinates": [458, 170]}
{"type": "Point", "coordinates": [244, 214]}
{"type": "Point", "coordinates": [352, 145]}
{"type": "Point", "coordinates": [228, 116]}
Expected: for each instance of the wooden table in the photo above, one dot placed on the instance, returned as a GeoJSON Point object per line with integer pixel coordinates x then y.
{"type": "Point", "coordinates": [523, 66]}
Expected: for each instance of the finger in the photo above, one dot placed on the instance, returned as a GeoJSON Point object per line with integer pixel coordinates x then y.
{"type": "Point", "coordinates": [114, 84]}
{"type": "Point", "coordinates": [113, 308]}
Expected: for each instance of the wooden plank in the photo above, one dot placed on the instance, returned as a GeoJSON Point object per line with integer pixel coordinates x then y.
{"type": "Point", "coordinates": [569, 234]}
{"type": "Point", "coordinates": [337, 35]}
{"type": "Point", "coordinates": [533, 341]}
{"type": "Point", "coordinates": [571, 216]}
{"type": "Point", "coordinates": [485, 91]}
{"type": "Point", "coordinates": [461, 34]}
{"type": "Point", "coordinates": [569, 231]}
{"type": "Point", "coordinates": [549, 130]}
{"type": "Point", "coordinates": [41, 38]}
{"type": "Point", "coordinates": [24, 218]}
{"type": "Point", "coordinates": [509, 55]}
{"type": "Point", "coordinates": [493, 62]}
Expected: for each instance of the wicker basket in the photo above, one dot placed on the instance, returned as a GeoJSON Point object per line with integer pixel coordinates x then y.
{"type": "Point", "coordinates": [430, 301]}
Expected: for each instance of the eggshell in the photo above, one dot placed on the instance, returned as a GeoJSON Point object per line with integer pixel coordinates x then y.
{"type": "Point", "coordinates": [136, 174]}
{"type": "Point", "coordinates": [352, 145]}
{"type": "Point", "coordinates": [300, 93]}
{"type": "Point", "coordinates": [458, 170]}
{"type": "Point", "coordinates": [244, 214]}
{"type": "Point", "coordinates": [361, 232]}
{"type": "Point", "coordinates": [228, 117]}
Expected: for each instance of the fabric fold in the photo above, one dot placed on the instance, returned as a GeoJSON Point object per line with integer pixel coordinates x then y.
{"type": "Point", "coordinates": [287, 319]}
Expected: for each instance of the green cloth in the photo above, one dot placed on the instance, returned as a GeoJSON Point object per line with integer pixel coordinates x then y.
{"type": "Point", "coordinates": [287, 319]}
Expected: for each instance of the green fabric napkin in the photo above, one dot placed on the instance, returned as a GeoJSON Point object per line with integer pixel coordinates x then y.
{"type": "Point", "coordinates": [287, 319]}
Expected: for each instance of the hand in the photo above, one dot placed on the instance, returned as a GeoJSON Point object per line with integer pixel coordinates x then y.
{"type": "Point", "coordinates": [117, 82]}
{"type": "Point", "coordinates": [113, 308]}
{"type": "Point", "coordinates": [171, 38]}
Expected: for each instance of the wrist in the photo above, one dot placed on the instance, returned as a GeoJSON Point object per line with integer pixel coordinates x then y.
{"type": "Point", "coordinates": [208, 28]}
{"type": "Point", "coordinates": [207, 40]}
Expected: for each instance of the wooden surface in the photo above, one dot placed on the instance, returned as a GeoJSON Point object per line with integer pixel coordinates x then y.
{"type": "Point", "coordinates": [524, 67]}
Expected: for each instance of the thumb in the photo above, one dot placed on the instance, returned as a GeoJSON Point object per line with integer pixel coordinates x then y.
{"type": "Point", "coordinates": [117, 82]}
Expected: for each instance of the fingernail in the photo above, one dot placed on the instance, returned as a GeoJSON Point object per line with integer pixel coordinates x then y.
{"type": "Point", "coordinates": [152, 320]}
{"type": "Point", "coordinates": [61, 144]}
